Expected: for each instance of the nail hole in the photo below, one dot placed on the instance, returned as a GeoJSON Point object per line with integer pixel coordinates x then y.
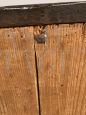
{"type": "Point", "coordinates": [8, 35]}
{"type": "Point", "coordinates": [62, 85]}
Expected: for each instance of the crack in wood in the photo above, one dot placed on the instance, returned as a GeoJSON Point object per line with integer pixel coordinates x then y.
{"type": "Point", "coordinates": [37, 79]}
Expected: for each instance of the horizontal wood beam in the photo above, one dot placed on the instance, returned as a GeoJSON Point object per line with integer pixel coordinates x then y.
{"type": "Point", "coordinates": [42, 14]}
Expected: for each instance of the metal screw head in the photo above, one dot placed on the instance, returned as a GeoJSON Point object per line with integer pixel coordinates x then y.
{"type": "Point", "coordinates": [41, 38]}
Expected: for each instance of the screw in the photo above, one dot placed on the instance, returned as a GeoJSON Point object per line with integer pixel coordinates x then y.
{"type": "Point", "coordinates": [41, 38]}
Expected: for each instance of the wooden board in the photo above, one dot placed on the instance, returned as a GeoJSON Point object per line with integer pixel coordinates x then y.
{"type": "Point", "coordinates": [41, 78]}
{"type": "Point", "coordinates": [61, 63]}
{"type": "Point", "coordinates": [42, 14]}
{"type": "Point", "coordinates": [18, 86]}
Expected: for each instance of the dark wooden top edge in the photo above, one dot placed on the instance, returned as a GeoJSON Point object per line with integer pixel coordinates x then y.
{"type": "Point", "coordinates": [42, 14]}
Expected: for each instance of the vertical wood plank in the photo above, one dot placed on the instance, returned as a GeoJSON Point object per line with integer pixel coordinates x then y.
{"type": "Point", "coordinates": [18, 87]}
{"type": "Point", "coordinates": [62, 70]}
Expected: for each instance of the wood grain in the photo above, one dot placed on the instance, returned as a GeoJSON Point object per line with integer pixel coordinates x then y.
{"type": "Point", "coordinates": [62, 70]}
{"type": "Point", "coordinates": [43, 14]}
{"type": "Point", "coordinates": [43, 78]}
{"type": "Point", "coordinates": [18, 87]}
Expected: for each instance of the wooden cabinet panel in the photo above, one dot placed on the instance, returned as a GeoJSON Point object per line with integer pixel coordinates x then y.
{"type": "Point", "coordinates": [62, 69]}
{"type": "Point", "coordinates": [43, 70]}
{"type": "Point", "coordinates": [18, 86]}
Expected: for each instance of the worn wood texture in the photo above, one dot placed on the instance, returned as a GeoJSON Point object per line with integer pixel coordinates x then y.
{"type": "Point", "coordinates": [47, 76]}
{"type": "Point", "coordinates": [61, 63]}
{"type": "Point", "coordinates": [39, 14]}
{"type": "Point", "coordinates": [18, 87]}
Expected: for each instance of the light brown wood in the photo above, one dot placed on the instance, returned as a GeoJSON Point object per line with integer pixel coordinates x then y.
{"type": "Point", "coordinates": [62, 70]}
{"type": "Point", "coordinates": [18, 86]}
{"type": "Point", "coordinates": [43, 78]}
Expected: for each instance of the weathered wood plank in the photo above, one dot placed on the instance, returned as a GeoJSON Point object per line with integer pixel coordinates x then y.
{"type": "Point", "coordinates": [18, 87]}
{"type": "Point", "coordinates": [40, 14]}
{"type": "Point", "coordinates": [62, 70]}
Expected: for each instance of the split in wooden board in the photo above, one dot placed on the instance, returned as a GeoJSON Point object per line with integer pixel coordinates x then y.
{"type": "Point", "coordinates": [62, 70]}
{"type": "Point", "coordinates": [43, 78]}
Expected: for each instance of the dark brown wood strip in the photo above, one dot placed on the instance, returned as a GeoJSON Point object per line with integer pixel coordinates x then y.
{"type": "Point", "coordinates": [41, 14]}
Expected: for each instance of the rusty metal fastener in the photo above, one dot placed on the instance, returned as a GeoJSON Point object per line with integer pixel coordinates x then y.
{"type": "Point", "coordinates": [41, 38]}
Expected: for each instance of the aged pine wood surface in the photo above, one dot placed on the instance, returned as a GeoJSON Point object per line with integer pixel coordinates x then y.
{"type": "Point", "coordinates": [43, 78]}
{"type": "Point", "coordinates": [61, 63]}
{"type": "Point", "coordinates": [18, 86]}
